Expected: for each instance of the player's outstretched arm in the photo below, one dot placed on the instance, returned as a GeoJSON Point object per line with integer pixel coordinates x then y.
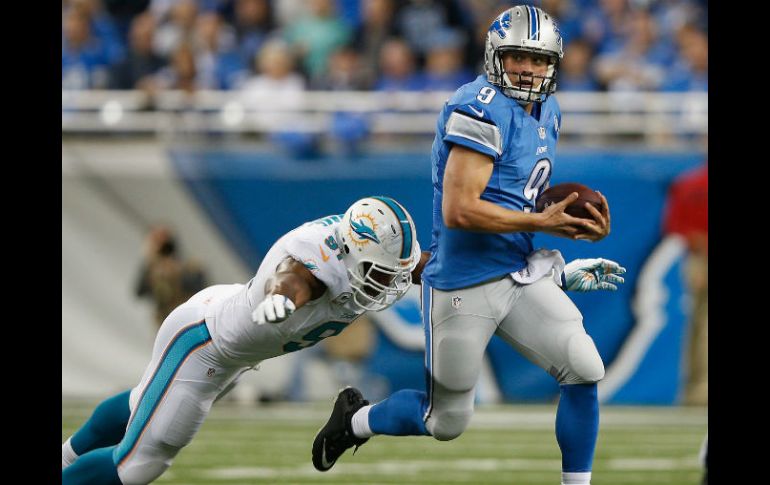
{"type": "Point", "coordinates": [593, 274]}
{"type": "Point", "coordinates": [465, 178]}
{"type": "Point", "coordinates": [289, 288]}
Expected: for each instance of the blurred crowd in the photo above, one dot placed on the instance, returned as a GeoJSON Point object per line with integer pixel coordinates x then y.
{"type": "Point", "coordinates": [286, 46]}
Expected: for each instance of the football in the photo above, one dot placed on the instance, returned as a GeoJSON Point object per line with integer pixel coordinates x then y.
{"type": "Point", "coordinates": [557, 193]}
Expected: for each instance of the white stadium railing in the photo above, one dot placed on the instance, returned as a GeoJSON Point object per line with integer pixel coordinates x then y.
{"type": "Point", "coordinates": [642, 114]}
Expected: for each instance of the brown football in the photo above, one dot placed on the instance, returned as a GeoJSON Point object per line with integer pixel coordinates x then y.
{"type": "Point", "coordinates": [557, 193]}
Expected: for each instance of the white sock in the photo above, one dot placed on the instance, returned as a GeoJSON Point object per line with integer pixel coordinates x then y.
{"type": "Point", "coordinates": [575, 478]}
{"type": "Point", "coordinates": [68, 455]}
{"type": "Point", "coordinates": [360, 423]}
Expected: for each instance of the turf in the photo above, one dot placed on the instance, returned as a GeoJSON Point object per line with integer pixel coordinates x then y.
{"type": "Point", "coordinates": [512, 444]}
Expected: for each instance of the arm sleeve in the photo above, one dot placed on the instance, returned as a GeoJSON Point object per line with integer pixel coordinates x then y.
{"type": "Point", "coordinates": [307, 246]}
{"type": "Point", "coordinates": [471, 127]}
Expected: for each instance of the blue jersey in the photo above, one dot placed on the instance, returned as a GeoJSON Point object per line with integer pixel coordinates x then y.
{"type": "Point", "coordinates": [480, 117]}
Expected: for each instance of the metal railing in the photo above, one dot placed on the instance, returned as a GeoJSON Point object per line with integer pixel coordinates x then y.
{"type": "Point", "coordinates": [397, 113]}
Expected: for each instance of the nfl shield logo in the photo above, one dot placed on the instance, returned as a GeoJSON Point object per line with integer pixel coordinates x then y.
{"type": "Point", "coordinates": [456, 302]}
{"type": "Point", "coordinates": [541, 131]}
{"type": "Point", "coordinates": [556, 123]}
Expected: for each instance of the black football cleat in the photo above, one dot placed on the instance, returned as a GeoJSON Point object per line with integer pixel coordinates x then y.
{"type": "Point", "coordinates": [337, 435]}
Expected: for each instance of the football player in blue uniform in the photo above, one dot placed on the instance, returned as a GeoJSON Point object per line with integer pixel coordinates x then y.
{"type": "Point", "coordinates": [492, 155]}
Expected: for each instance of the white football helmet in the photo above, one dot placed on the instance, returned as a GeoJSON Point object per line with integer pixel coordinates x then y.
{"type": "Point", "coordinates": [529, 29]}
{"type": "Point", "coordinates": [380, 250]}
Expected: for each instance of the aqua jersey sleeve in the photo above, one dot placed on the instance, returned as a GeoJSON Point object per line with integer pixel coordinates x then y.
{"type": "Point", "coordinates": [315, 247]}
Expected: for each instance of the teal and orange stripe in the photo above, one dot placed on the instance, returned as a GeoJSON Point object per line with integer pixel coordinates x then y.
{"type": "Point", "coordinates": [406, 228]}
{"type": "Point", "coordinates": [185, 342]}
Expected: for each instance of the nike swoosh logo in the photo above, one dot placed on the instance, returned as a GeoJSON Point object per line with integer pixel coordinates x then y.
{"type": "Point", "coordinates": [479, 113]}
{"type": "Point", "coordinates": [323, 254]}
{"type": "Point", "coordinates": [325, 463]}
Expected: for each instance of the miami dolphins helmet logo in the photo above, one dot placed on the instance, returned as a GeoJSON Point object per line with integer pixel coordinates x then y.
{"type": "Point", "coordinates": [362, 230]}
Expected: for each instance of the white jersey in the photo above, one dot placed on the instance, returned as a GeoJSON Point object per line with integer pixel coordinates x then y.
{"type": "Point", "coordinates": [228, 316]}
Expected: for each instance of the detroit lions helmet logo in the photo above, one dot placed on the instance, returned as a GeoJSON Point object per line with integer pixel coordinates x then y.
{"type": "Point", "coordinates": [501, 24]}
{"type": "Point", "coordinates": [558, 35]}
{"type": "Point", "coordinates": [362, 230]}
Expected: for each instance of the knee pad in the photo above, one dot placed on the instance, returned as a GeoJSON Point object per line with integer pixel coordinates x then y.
{"type": "Point", "coordinates": [141, 474]}
{"type": "Point", "coordinates": [585, 363]}
{"type": "Point", "coordinates": [146, 464]}
{"type": "Point", "coordinates": [448, 425]}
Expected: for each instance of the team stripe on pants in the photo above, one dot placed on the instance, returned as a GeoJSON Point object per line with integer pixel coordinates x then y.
{"type": "Point", "coordinates": [185, 342]}
{"type": "Point", "coordinates": [427, 311]}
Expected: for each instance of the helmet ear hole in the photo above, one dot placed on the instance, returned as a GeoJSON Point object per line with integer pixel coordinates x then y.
{"type": "Point", "coordinates": [347, 249]}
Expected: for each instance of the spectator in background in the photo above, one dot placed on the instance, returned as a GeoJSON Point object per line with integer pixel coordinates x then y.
{"type": "Point", "coordinates": [638, 64]}
{"type": "Point", "coordinates": [218, 62]}
{"type": "Point", "coordinates": [345, 72]}
{"type": "Point", "coordinates": [376, 28]}
{"type": "Point", "coordinates": [278, 88]}
{"type": "Point", "coordinates": [176, 28]}
{"type": "Point", "coordinates": [276, 82]}
{"type": "Point", "coordinates": [444, 68]}
{"type": "Point", "coordinates": [604, 24]}
{"type": "Point", "coordinates": [397, 68]}
{"type": "Point", "coordinates": [686, 215]}
{"type": "Point", "coordinates": [316, 35]}
{"type": "Point", "coordinates": [691, 71]}
{"type": "Point", "coordinates": [123, 13]}
{"type": "Point", "coordinates": [181, 73]}
{"type": "Point", "coordinates": [84, 60]}
{"type": "Point", "coordinates": [141, 63]}
{"type": "Point", "coordinates": [673, 15]}
{"type": "Point", "coordinates": [253, 20]}
{"type": "Point", "coordinates": [164, 277]}
{"type": "Point", "coordinates": [569, 16]}
{"type": "Point", "coordinates": [103, 28]}
{"type": "Point", "coordinates": [575, 71]}
{"type": "Point", "coordinates": [348, 129]}
{"type": "Point", "coordinates": [416, 19]}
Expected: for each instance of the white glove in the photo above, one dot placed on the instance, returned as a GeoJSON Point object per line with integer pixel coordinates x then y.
{"type": "Point", "coordinates": [593, 274]}
{"type": "Point", "coordinates": [273, 309]}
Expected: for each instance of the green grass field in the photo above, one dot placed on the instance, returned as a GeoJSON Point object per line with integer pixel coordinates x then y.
{"type": "Point", "coordinates": [512, 444]}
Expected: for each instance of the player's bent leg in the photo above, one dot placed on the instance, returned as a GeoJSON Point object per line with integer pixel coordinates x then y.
{"type": "Point", "coordinates": [104, 428]}
{"type": "Point", "coordinates": [547, 328]}
{"type": "Point", "coordinates": [95, 467]}
{"type": "Point", "coordinates": [577, 427]}
{"type": "Point", "coordinates": [459, 324]}
{"type": "Point", "coordinates": [399, 415]}
{"type": "Point", "coordinates": [584, 364]}
{"type": "Point", "coordinates": [451, 413]}
{"type": "Point", "coordinates": [184, 377]}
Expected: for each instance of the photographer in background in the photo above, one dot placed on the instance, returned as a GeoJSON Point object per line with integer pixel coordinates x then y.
{"type": "Point", "coordinates": [164, 276]}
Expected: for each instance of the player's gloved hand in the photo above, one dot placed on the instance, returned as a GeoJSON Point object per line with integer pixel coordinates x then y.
{"type": "Point", "coordinates": [593, 274]}
{"type": "Point", "coordinates": [273, 309]}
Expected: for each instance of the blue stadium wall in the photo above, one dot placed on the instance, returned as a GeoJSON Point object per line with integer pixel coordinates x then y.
{"type": "Point", "coordinates": [254, 198]}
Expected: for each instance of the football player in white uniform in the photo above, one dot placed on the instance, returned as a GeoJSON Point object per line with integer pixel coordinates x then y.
{"type": "Point", "coordinates": [312, 284]}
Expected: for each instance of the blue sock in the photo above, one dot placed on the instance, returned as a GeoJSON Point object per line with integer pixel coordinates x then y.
{"type": "Point", "coordinates": [577, 426]}
{"type": "Point", "coordinates": [93, 468]}
{"type": "Point", "coordinates": [105, 427]}
{"type": "Point", "coordinates": [400, 414]}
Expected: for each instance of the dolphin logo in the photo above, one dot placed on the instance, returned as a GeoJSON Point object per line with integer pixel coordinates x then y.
{"type": "Point", "coordinates": [501, 24]}
{"type": "Point", "coordinates": [364, 231]}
